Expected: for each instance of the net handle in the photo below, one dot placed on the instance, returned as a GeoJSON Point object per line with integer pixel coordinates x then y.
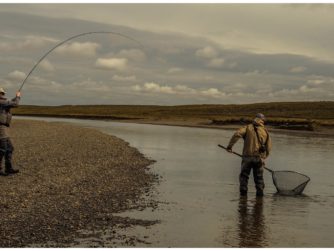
{"type": "Point", "coordinates": [238, 154]}
{"type": "Point", "coordinates": [264, 166]}
{"type": "Point", "coordinates": [224, 147]}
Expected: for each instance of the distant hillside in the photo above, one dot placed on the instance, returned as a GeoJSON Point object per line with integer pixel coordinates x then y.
{"type": "Point", "coordinates": [285, 110]}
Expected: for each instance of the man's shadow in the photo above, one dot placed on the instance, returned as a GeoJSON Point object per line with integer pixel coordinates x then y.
{"type": "Point", "coordinates": [251, 224]}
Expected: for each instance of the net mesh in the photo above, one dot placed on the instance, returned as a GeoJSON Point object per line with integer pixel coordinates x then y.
{"type": "Point", "coordinates": [289, 182]}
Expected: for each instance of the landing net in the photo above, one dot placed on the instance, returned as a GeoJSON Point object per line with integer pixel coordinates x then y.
{"type": "Point", "coordinates": [289, 182]}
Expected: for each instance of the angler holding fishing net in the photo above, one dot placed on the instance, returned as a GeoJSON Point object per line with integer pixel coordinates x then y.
{"type": "Point", "coordinates": [257, 146]}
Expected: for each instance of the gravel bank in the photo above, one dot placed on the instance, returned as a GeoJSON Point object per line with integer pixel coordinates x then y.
{"type": "Point", "coordinates": [71, 183]}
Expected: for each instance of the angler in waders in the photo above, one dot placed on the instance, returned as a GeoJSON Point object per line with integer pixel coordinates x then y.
{"type": "Point", "coordinates": [6, 146]}
{"type": "Point", "coordinates": [257, 146]}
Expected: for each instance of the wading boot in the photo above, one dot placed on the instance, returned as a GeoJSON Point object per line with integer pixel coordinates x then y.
{"type": "Point", "coordinates": [9, 169]}
{"type": "Point", "coordinates": [259, 193]}
{"type": "Point", "coordinates": [3, 173]}
{"type": "Point", "coordinates": [243, 193]}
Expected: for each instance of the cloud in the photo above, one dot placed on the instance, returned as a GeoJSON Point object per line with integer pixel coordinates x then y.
{"type": "Point", "coordinates": [207, 52]}
{"type": "Point", "coordinates": [232, 65]}
{"type": "Point", "coordinates": [133, 54]}
{"type": "Point", "coordinates": [316, 81]}
{"type": "Point", "coordinates": [213, 92]}
{"type": "Point", "coordinates": [253, 73]}
{"type": "Point", "coordinates": [152, 87]}
{"type": "Point", "coordinates": [320, 80]}
{"type": "Point", "coordinates": [43, 85]}
{"type": "Point", "coordinates": [87, 49]}
{"type": "Point", "coordinates": [211, 54]}
{"type": "Point", "coordinates": [195, 62]}
{"type": "Point", "coordinates": [302, 92]}
{"type": "Point", "coordinates": [297, 69]}
{"type": "Point", "coordinates": [28, 43]}
{"type": "Point", "coordinates": [185, 89]}
{"type": "Point", "coordinates": [136, 88]}
{"type": "Point", "coordinates": [307, 89]}
{"type": "Point", "coordinates": [239, 91]}
{"type": "Point", "coordinates": [216, 62]}
{"type": "Point", "coordinates": [90, 85]}
{"type": "Point", "coordinates": [237, 87]}
{"type": "Point", "coordinates": [156, 88]}
{"type": "Point", "coordinates": [119, 64]}
{"type": "Point", "coordinates": [124, 78]}
{"type": "Point", "coordinates": [175, 70]}
{"type": "Point", "coordinates": [17, 75]}
{"type": "Point", "coordinates": [46, 66]}
{"type": "Point", "coordinates": [38, 41]}
{"type": "Point", "coordinates": [6, 84]}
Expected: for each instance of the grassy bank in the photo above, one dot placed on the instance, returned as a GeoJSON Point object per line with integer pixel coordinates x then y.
{"type": "Point", "coordinates": [306, 115]}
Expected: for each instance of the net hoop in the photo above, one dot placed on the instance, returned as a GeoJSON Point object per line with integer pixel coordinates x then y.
{"type": "Point", "coordinates": [295, 191]}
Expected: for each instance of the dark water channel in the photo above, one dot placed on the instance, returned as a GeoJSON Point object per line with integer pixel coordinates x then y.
{"type": "Point", "coordinates": [199, 190]}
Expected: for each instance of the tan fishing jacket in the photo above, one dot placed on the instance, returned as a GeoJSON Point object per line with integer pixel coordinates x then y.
{"type": "Point", "coordinates": [251, 142]}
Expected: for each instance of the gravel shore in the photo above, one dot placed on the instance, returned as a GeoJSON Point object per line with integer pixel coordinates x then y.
{"type": "Point", "coordinates": [72, 182]}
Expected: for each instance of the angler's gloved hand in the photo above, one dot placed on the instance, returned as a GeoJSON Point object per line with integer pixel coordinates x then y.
{"type": "Point", "coordinates": [229, 149]}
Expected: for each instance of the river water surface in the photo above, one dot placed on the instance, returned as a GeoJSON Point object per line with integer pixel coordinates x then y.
{"type": "Point", "coordinates": [200, 204]}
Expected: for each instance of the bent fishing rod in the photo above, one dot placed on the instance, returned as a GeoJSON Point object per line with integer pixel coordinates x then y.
{"type": "Point", "coordinates": [70, 38]}
{"type": "Point", "coordinates": [238, 154]}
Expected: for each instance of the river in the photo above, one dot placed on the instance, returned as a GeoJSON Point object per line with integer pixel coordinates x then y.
{"type": "Point", "coordinates": [199, 204]}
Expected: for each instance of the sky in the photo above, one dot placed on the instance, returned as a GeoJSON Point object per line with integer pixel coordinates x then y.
{"type": "Point", "coordinates": [182, 54]}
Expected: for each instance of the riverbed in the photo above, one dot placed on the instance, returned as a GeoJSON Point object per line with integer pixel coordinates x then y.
{"type": "Point", "coordinates": [198, 197]}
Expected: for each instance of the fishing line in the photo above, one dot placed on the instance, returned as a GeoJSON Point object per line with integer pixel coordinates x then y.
{"type": "Point", "coordinates": [73, 37]}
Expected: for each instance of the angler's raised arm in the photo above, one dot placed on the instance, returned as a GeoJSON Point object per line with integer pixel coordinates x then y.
{"type": "Point", "coordinates": [16, 100]}
{"type": "Point", "coordinates": [7, 102]}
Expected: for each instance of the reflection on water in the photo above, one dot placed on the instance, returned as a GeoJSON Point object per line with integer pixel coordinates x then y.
{"type": "Point", "coordinates": [251, 223]}
{"type": "Point", "coordinates": [199, 190]}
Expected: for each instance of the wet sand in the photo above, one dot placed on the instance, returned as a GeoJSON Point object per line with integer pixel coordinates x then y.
{"type": "Point", "coordinates": [72, 182]}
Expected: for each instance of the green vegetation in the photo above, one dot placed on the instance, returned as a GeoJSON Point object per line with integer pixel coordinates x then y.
{"type": "Point", "coordinates": [280, 113]}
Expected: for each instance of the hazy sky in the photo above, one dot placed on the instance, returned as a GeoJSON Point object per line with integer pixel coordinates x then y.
{"type": "Point", "coordinates": [190, 53]}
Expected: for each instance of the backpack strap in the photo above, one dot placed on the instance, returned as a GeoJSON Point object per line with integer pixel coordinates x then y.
{"type": "Point", "coordinates": [258, 138]}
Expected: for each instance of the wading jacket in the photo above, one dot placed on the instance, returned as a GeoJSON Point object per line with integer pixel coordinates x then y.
{"type": "Point", "coordinates": [251, 140]}
{"type": "Point", "coordinates": [5, 114]}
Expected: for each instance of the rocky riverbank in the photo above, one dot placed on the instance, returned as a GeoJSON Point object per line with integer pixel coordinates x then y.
{"type": "Point", "coordinates": [72, 182]}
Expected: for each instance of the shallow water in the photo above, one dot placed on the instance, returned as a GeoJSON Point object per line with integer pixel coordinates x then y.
{"type": "Point", "coordinates": [200, 204]}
